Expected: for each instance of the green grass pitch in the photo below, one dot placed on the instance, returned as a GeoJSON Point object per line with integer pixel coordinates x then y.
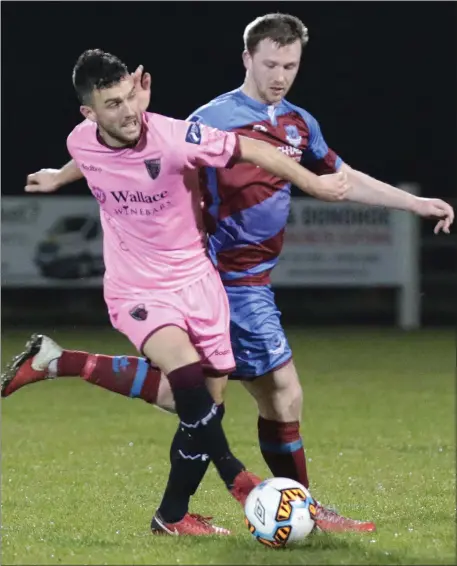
{"type": "Point", "coordinates": [83, 469]}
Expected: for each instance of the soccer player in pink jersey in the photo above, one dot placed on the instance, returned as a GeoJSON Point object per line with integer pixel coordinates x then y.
{"type": "Point", "coordinates": [161, 289]}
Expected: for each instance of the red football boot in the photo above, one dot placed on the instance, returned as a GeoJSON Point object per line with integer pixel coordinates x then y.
{"type": "Point", "coordinates": [190, 524]}
{"type": "Point", "coordinates": [244, 483]}
{"type": "Point", "coordinates": [329, 521]}
{"type": "Point", "coordinates": [31, 365]}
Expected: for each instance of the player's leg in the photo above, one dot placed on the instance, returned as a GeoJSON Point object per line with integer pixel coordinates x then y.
{"type": "Point", "coordinates": [208, 324]}
{"type": "Point", "coordinates": [280, 442]}
{"type": "Point", "coordinates": [260, 346]}
{"type": "Point", "coordinates": [130, 376]}
{"type": "Point", "coordinates": [188, 465]}
{"type": "Point", "coordinates": [171, 350]}
{"type": "Point", "coordinates": [264, 365]}
{"type": "Point", "coordinates": [279, 396]}
{"type": "Point", "coordinates": [162, 336]}
{"type": "Point", "coordinates": [189, 461]}
{"type": "Point", "coordinates": [43, 359]}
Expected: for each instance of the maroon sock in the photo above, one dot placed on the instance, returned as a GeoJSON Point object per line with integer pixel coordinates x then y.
{"type": "Point", "coordinates": [71, 363]}
{"type": "Point", "coordinates": [127, 375]}
{"type": "Point", "coordinates": [282, 449]}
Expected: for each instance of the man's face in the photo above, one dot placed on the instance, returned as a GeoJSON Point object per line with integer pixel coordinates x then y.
{"type": "Point", "coordinates": [273, 69]}
{"type": "Point", "coordinates": [117, 112]}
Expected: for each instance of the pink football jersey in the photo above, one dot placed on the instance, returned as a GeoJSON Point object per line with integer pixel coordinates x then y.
{"type": "Point", "coordinates": [150, 202]}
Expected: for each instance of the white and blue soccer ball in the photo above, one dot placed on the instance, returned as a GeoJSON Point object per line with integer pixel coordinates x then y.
{"type": "Point", "coordinates": [280, 511]}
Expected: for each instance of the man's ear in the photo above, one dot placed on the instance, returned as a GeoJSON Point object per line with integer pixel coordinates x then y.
{"type": "Point", "coordinates": [87, 112]}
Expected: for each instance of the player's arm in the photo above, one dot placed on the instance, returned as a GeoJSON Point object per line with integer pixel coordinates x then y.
{"type": "Point", "coordinates": [327, 187]}
{"type": "Point", "coordinates": [367, 190]}
{"type": "Point", "coordinates": [50, 180]}
{"type": "Point", "coordinates": [209, 147]}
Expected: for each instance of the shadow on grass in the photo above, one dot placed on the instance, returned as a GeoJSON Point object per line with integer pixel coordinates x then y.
{"type": "Point", "coordinates": [320, 548]}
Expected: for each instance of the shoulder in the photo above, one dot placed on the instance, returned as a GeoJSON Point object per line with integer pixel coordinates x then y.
{"type": "Point", "coordinates": [218, 112]}
{"type": "Point", "coordinates": [165, 127]}
{"type": "Point", "coordinates": [154, 121]}
{"type": "Point", "coordinates": [171, 134]}
{"type": "Point", "coordinates": [82, 132]}
{"type": "Point", "coordinates": [306, 116]}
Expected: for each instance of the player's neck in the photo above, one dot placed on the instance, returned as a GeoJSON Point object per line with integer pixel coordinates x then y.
{"type": "Point", "coordinates": [249, 89]}
{"type": "Point", "coordinates": [112, 143]}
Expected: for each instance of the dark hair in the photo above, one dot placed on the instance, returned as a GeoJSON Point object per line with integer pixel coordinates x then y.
{"type": "Point", "coordinates": [95, 70]}
{"type": "Point", "coordinates": [282, 29]}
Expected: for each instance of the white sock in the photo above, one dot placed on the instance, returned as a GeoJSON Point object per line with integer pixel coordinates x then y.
{"type": "Point", "coordinates": [52, 367]}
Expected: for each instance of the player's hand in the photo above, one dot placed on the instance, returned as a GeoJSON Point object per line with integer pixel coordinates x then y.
{"type": "Point", "coordinates": [436, 208]}
{"type": "Point", "coordinates": [333, 187]}
{"type": "Point", "coordinates": [44, 181]}
{"type": "Point", "coordinates": [142, 82]}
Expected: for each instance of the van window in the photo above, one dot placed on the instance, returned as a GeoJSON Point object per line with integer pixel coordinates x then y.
{"type": "Point", "coordinates": [68, 224]}
{"type": "Point", "coordinates": [92, 233]}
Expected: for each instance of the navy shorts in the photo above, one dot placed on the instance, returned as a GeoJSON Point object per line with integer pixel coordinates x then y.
{"type": "Point", "coordinates": [258, 339]}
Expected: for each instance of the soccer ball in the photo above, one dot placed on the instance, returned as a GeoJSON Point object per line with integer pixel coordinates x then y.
{"type": "Point", "coordinates": [280, 511]}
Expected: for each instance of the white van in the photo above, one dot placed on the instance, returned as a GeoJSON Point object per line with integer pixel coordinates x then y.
{"type": "Point", "coordinates": [72, 249]}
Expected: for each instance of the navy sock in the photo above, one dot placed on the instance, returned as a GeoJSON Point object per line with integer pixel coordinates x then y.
{"type": "Point", "coordinates": [198, 415]}
{"type": "Point", "coordinates": [189, 464]}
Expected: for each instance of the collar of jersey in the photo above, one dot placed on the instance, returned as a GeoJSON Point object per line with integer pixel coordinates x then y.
{"type": "Point", "coordinates": [256, 104]}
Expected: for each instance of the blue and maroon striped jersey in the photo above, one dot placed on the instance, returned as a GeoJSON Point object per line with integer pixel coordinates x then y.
{"type": "Point", "coordinates": [248, 207]}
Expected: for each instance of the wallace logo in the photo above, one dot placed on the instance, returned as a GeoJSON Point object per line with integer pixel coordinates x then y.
{"type": "Point", "coordinates": [152, 167]}
{"type": "Point", "coordinates": [138, 197]}
{"type": "Point", "coordinates": [132, 203]}
{"type": "Point", "coordinates": [139, 313]}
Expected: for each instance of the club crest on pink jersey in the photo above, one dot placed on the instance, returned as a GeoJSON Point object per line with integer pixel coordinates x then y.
{"type": "Point", "coordinates": [152, 167]}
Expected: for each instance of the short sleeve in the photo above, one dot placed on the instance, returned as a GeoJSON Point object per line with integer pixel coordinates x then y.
{"type": "Point", "coordinates": [70, 144]}
{"type": "Point", "coordinates": [79, 135]}
{"type": "Point", "coordinates": [318, 157]}
{"type": "Point", "coordinates": [203, 146]}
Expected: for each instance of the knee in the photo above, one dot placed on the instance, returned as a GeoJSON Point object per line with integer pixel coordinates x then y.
{"type": "Point", "coordinates": [165, 399]}
{"type": "Point", "coordinates": [281, 400]}
{"type": "Point", "coordinates": [170, 349]}
{"type": "Point", "coordinates": [296, 401]}
{"type": "Point", "coordinates": [289, 401]}
{"type": "Point", "coordinates": [216, 386]}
